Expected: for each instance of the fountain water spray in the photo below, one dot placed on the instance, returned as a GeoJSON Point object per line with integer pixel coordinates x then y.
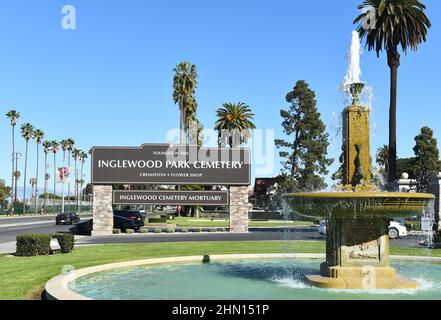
{"type": "Point", "coordinates": [353, 75]}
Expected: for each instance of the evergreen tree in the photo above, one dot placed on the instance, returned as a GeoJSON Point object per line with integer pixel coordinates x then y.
{"type": "Point", "coordinates": [305, 153]}
{"type": "Point", "coordinates": [427, 156]}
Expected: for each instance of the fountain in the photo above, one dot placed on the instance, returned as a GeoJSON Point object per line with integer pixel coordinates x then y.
{"type": "Point", "coordinates": [357, 242]}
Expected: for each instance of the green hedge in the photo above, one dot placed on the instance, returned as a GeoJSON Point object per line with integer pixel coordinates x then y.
{"type": "Point", "coordinates": [66, 241]}
{"type": "Point", "coordinates": [413, 225]}
{"type": "Point", "coordinates": [29, 245]}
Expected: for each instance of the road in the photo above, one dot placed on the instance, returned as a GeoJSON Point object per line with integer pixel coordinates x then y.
{"type": "Point", "coordinates": [10, 227]}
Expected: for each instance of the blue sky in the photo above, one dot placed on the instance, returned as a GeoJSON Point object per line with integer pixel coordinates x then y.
{"type": "Point", "coordinates": [110, 81]}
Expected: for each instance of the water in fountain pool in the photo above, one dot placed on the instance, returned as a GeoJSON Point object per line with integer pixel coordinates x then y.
{"type": "Point", "coordinates": [243, 279]}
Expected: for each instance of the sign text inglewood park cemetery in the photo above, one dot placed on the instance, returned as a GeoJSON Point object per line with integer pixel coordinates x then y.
{"type": "Point", "coordinates": [171, 165]}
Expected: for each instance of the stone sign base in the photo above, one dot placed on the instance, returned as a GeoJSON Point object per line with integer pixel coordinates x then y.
{"type": "Point", "coordinates": [239, 207]}
{"type": "Point", "coordinates": [102, 211]}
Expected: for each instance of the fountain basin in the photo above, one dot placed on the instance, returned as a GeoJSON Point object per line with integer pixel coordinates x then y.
{"type": "Point", "coordinates": [231, 277]}
{"type": "Point", "coordinates": [358, 205]}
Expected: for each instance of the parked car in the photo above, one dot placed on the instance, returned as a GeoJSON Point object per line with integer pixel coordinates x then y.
{"type": "Point", "coordinates": [67, 218]}
{"type": "Point", "coordinates": [137, 217]}
{"type": "Point", "coordinates": [396, 229]}
{"type": "Point", "coordinates": [255, 209]}
{"type": "Point", "coordinates": [322, 228]}
{"type": "Point", "coordinates": [85, 228]}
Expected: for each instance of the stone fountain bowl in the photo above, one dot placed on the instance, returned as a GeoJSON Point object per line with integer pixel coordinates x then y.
{"type": "Point", "coordinates": [358, 205]}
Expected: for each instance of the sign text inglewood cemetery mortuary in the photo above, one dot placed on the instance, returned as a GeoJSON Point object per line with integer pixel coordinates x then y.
{"type": "Point", "coordinates": [171, 165]}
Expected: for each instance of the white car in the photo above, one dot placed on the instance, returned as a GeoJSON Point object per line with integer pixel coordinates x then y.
{"type": "Point", "coordinates": [396, 229]}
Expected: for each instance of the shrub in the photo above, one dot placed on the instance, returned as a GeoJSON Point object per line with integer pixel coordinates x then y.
{"type": "Point", "coordinates": [158, 220]}
{"type": "Point", "coordinates": [144, 230]}
{"type": "Point", "coordinates": [158, 230]}
{"type": "Point", "coordinates": [130, 231]}
{"type": "Point", "coordinates": [170, 230]}
{"type": "Point", "coordinates": [66, 241]}
{"type": "Point", "coordinates": [29, 245]}
{"type": "Point", "coordinates": [116, 231]}
{"type": "Point", "coordinates": [197, 229]}
{"type": "Point", "coordinates": [221, 229]}
{"type": "Point", "coordinates": [184, 230]}
{"type": "Point", "coordinates": [413, 225]}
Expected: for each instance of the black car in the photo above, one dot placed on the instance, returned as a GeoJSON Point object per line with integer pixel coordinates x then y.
{"type": "Point", "coordinates": [137, 217]}
{"type": "Point", "coordinates": [67, 218]}
{"type": "Point", "coordinates": [85, 228]}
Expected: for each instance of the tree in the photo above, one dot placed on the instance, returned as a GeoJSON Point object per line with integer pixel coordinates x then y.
{"type": "Point", "coordinates": [396, 23]}
{"type": "Point", "coordinates": [38, 136]}
{"type": "Point", "coordinates": [234, 124]}
{"type": "Point", "coordinates": [4, 193]}
{"type": "Point", "coordinates": [13, 116]}
{"type": "Point", "coordinates": [184, 91]}
{"type": "Point", "coordinates": [427, 156]}
{"type": "Point", "coordinates": [47, 147]}
{"type": "Point", "coordinates": [55, 146]}
{"type": "Point", "coordinates": [305, 157]}
{"type": "Point", "coordinates": [27, 132]}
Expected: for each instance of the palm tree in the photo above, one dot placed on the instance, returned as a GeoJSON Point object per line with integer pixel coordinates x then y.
{"type": "Point", "coordinates": [397, 23]}
{"type": "Point", "coordinates": [184, 90]}
{"type": "Point", "coordinates": [47, 145]}
{"type": "Point", "coordinates": [382, 158]}
{"type": "Point", "coordinates": [38, 136]}
{"type": "Point", "coordinates": [55, 146]}
{"type": "Point", "coordinates": [234, 124]}
{"type": "Point", "coordinates": [13, 115]}
{"type": "Point", "coordinates": [27, 132]}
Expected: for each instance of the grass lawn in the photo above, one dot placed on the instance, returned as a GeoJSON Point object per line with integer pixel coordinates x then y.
{"type": "Point", "coordinates": [24, 278]}
{"type": "Point", "coordinates": [187, 222]}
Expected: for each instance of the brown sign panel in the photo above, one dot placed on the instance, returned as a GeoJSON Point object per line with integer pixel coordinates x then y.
{"type": "Point", "coordinates": [177, 198]}
{"type": "Point", "coordinates": [171, 165]}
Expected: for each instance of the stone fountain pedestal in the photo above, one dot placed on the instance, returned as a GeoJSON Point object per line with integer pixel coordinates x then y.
{"type": "Point", "coordinates": [357, 257]}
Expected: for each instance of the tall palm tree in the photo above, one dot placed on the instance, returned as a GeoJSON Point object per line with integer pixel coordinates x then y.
{"type": "Point", "coordinates": [55, 147]}
{"type": "Point", "coordinates": [397, 23]}
{"type": "Point", "coordinates": [184, 90]}
{"type": "Point", "coordinates": [38, 136]}
{"type": "Point", "coordinates": [13, 116]}
{"type": "Point", "coordinates": [234, 124]}
{"type": "Point", "coordinates": [47, 145]}
{"type": "Point", "coordinates": [27, 132]}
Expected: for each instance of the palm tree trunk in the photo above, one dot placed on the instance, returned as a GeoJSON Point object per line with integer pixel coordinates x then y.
{"type": "Point", "coordinates": [394, 63]}
{"type": "Point", "coordinates": [68, 184]}
{"type": "Point", "coordinates": [45, 182]}
{"type": "Point", "coordinates": [182, 127]}
{"type": "Point", "coordinates": [13, 170]}
{"type": "Point", "coordinates": [76, 184]}
{"type": "Point", "coordinates": [55, 182]}
{"type": "Point", "coordinates": [36, 179]}
{"type": "Point", "coordinates": [24, 180]}
{"type": "Point", "coordinates": [81, 185]}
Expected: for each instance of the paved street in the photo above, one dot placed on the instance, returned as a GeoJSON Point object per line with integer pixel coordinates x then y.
{"type": "Point", "coordinates": [10, 227]}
